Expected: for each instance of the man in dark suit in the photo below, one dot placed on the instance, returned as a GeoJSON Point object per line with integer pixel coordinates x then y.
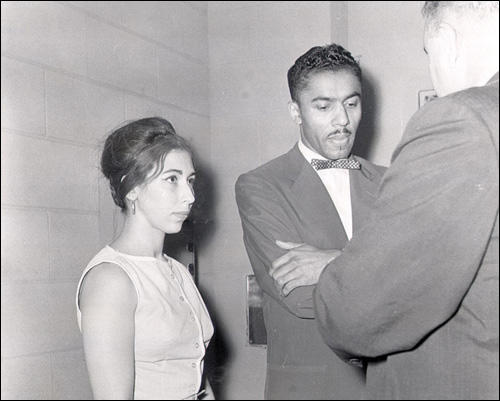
{"type": "Point", "coordinates": [416, 289]}
{"type": "Point", "coordinates": [317, 193]}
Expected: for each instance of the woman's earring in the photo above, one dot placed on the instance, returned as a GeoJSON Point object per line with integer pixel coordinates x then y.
{"type": "Point", "coordinates": [133, 207]}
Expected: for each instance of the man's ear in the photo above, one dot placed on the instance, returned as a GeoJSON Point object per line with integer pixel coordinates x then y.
{"type": "Point", "coordinates": [294, 110]}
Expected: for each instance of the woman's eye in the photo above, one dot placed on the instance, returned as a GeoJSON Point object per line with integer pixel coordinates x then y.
{"type": "Point", "coordinates": [172, 179]}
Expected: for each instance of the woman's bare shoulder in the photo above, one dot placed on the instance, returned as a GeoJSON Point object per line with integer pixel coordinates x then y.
{"type": "Point", "coordinates": [107, 282]}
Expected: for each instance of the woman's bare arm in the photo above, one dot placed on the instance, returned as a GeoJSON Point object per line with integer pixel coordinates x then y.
{"type": "Point", "coordinates": [108, 301]}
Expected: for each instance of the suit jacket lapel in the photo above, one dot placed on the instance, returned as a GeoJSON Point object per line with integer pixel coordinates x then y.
{"type": "Point", "coordinates": [314, 207]}
{"type": "Point", "coordinates": [364, 189]}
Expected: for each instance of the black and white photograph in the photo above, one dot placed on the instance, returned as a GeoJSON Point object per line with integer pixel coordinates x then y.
{"type": "Point", "coordinates": [249, 200]}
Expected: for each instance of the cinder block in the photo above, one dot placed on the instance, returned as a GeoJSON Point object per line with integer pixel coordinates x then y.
{"type": "Point", "coordinates": [278, 134]}
{"type": "Point", "coordinates": [46, 32]}
{"type": "Point", "coordinates": [26, 327]}
{"type": "Point", "coordinates": [23, 97]}
{"type": "Point", "coordinates": [138, 107]}
{"type": "Point", "coordinates": [27, 378]}
{"type": "Point", "coordinates": [39, 318]}
{"type": "Point", "coordinates": [71, 380]}
{"type": "Point", "coordinates": [183, 82]}
{"type": "Point", "coordinates": [121, 59]}
{"type": "Point", "coordinates": [74, 240]}
{"type": "Point", "coordinates": [64, 330]}
{"type": "Point", "coordinates": [106, 10]}
{"type": "Point", "coordinates": [80, 111]}
{"type": "Point", "coordinates": [48, 174]}
{"type": "Point", "coordinates": [183, 28]}
{"type": "Point", "coordinates": [25, 246]}
{"type": "Point", "coordinates": [254, 87]}
{"type": "Point", "coordinates": [229, 32]}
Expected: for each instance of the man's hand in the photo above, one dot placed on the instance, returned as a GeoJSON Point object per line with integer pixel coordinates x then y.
{"type": "Point", "coordinates": [301, 265]}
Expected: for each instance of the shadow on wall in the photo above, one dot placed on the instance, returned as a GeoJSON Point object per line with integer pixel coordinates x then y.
{"type": "Point", "coordinates": [202, 213]}
{"type": "Point", "coordinates": [218, 352]}
{"type": "Point", "coordinates": [200, 228]}
{"type": "Point", "coordinates": [368, 128]}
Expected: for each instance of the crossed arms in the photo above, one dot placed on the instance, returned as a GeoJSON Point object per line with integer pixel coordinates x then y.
{"type": "Point", "coordinates": [286, 271]}
{"type": "Point", "coordinates": [406, 272]}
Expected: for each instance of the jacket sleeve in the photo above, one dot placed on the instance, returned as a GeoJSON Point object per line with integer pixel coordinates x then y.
{"type": "Point", "coordinates": [407, 270]}
{"type": "Point", "coordinates": [264, 220]}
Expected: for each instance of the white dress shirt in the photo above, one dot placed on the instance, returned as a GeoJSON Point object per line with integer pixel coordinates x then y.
{"type": "Point", "coordinates": [336, 181]}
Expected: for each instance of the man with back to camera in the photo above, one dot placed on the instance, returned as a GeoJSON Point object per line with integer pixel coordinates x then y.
{"type": "Point", "coordinates": [316, 193]}
{"type": "Point", "coordinates": [421, 277]}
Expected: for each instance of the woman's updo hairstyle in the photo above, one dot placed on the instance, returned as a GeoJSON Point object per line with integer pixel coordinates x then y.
{"type": "Point", "coordinates": [135, 154]}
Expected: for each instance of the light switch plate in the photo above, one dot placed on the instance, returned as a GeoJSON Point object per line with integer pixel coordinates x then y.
{"type": "Point", "coordinates": [425, 96]}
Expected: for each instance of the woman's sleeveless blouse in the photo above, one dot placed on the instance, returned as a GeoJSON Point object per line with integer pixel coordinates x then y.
{"type": "Point", "coordinates": [172, 325]}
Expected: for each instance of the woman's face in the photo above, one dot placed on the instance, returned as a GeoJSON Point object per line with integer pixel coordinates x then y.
{"type": "Point", "coordinates": [166, 200]}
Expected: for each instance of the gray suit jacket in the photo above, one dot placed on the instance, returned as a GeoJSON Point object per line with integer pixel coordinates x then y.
{"type": "Point", "coordinates": [285, 199]}
{"type": "Point", "coordinates": [421, 278]}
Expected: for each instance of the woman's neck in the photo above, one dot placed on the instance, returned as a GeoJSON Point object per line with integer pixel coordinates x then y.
{"type": "Point", "coordinates": [139, 241]}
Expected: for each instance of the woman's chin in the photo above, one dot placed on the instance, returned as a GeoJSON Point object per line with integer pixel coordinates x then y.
{"type": "Point", "coordinates": [173, 228]}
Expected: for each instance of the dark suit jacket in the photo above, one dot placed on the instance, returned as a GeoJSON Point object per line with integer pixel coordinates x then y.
{"type": "Point", "coordinates": [285, 199]}
{"type": "Point", "coordinates": [421, 278]}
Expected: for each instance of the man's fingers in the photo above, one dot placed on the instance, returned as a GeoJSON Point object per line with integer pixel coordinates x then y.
{"type": "Point", "coordinates": [281, 273]}
{"type": "Point", "coordinates": [290, 286]}
{"type": "Point", "coordinates": [287, 245]}
{"type": "Point", "coordinates": [285, 276]}
{"type": "Point", "coordinates": [282, 260]}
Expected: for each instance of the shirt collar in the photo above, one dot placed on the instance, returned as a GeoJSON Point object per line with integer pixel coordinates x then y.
{"type": "Point", "coordinates": [308, 153]}
{"type": "Point", "coordinates": [493, 79]}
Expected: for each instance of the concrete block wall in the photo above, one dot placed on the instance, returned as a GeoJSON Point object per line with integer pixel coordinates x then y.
{"type": "Point", "coordinates": [71, 72]}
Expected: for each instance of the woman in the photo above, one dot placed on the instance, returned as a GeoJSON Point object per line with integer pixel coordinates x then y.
{"type": "Point", "coordinates": [144, 324]}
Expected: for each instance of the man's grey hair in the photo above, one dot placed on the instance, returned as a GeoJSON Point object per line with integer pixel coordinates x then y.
{"type": "Point", "coordinates": [434, 11]}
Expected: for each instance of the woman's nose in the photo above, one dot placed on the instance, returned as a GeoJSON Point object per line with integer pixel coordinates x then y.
{"type": "Point", "coordinates": [188, 195]}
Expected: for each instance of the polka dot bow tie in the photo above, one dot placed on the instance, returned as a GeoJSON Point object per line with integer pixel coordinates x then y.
{"type": "Point", "coordinates": [339, 163]}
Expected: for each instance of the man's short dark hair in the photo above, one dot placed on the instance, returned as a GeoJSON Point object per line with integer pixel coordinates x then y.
{"type": "Point", "coordinates": [330, 57]}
